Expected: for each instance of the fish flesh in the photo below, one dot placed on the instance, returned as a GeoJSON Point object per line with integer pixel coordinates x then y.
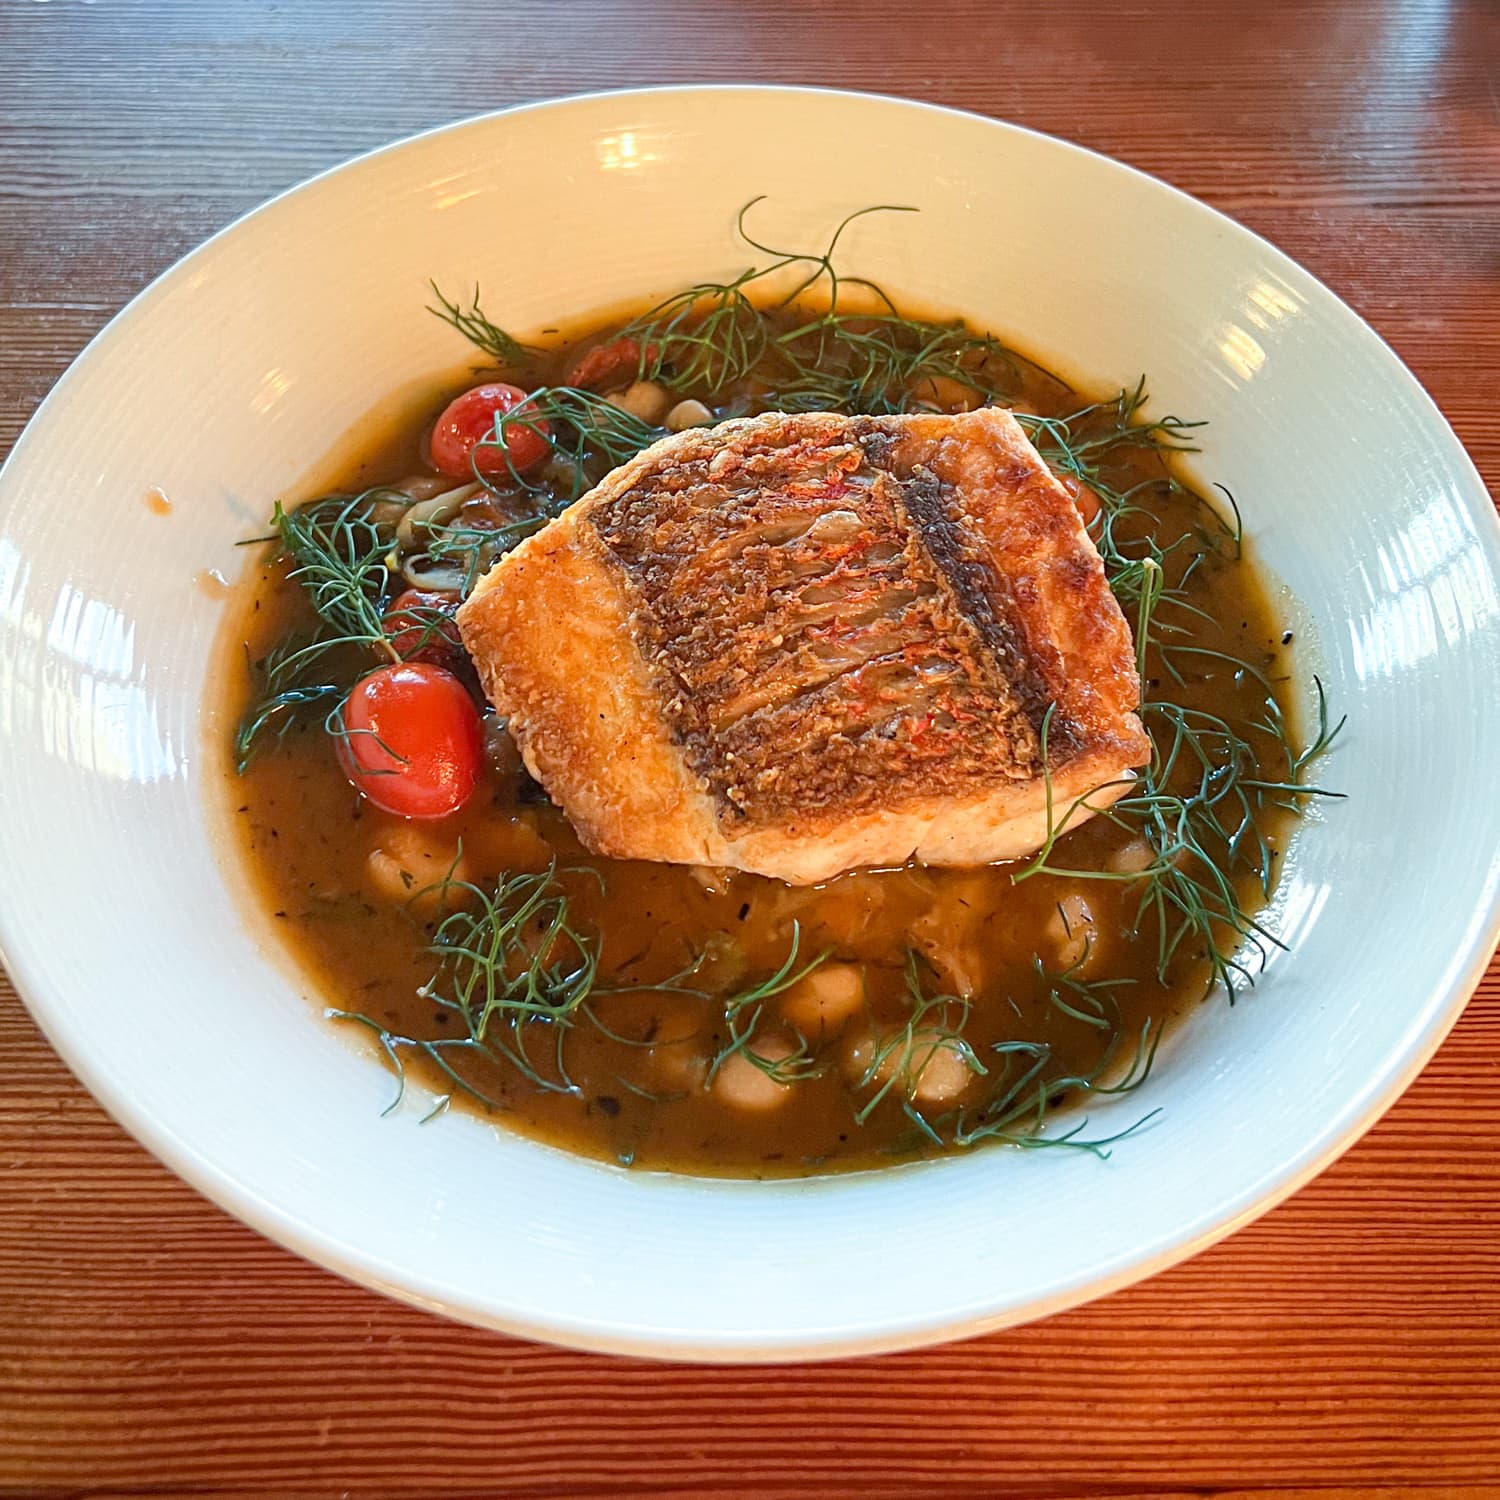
{"type": "Point", "coordinates": [802, 643]}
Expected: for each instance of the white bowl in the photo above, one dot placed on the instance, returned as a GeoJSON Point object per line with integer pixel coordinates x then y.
{"type": "Point", "coordinates": [124, 925]}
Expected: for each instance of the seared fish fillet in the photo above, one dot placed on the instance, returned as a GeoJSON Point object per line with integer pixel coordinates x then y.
{"type": "Point", "coordinates": [798, 644]}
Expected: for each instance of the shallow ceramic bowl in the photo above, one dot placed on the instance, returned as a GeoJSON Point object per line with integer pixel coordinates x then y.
{"type": "Point", "coordinates": [123, 920]}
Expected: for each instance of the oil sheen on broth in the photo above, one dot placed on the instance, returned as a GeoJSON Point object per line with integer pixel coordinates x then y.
{"type": "Point", "coordinates": [343, 881]}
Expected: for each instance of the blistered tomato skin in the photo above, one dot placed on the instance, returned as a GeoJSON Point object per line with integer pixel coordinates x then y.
{"type": "Point", "coordinates": [607, 365]}
{"type": "Point", "coordinates": [412, 743]}
{"type": "Point", "coordinates": [461, 441]}
{"type": "Point", "coordinates": [420, 627]}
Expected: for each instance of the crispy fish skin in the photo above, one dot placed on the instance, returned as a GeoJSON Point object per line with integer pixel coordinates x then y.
{"type": "Point", "coordinates": [804, 643]}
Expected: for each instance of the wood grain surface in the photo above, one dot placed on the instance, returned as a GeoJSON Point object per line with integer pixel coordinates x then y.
{"type": "Point", "coordinates": [1346, 1345]}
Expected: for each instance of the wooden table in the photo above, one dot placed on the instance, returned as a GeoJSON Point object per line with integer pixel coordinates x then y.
{"type": "Point", "coordinates": [1348, 1341]}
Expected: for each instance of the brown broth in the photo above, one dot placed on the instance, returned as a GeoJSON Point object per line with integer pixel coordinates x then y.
{"type": "Point", "coordinates": [337, 874]}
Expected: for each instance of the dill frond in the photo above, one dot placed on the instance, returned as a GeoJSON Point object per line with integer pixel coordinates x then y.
{"type": "Point", "coordinates": [1203, 800]}
{"type": "Point", "coordinates": [742, 1016]}
{"type": "Point", "coordinates": [934, 1025]}
{"type": "Point", "coordinates": [338, 550]}
{"type": "Point", "coordinates": [477, 328]}
{"type": "Point", "coordinates": [335, 548]}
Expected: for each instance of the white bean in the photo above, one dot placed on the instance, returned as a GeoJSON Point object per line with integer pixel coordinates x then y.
{"type": "Point", "coordinates": [1071, 930]}
{"type": "Point", "coordinates": [1132, 858]}
{"type": "Point", "coordinates": [407, 862]}
{"type": "Point", "coordinates": [645, 399]}
{"type": "Point", "coordinates": [930, 1067]}
{"type": "Point", "coordinates": [818, 1004]}
{"type": "Point", "coordinates": [940, 1070]}
{"type": "Point", "coordinates": [742, 1085]}
{"type": "Point", "coordinates": [689, 414]}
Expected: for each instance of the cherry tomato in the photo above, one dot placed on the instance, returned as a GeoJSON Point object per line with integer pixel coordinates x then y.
{"type": "Point", "coordinates": [615, 363]}
{"type": "Point", "coordinates": [413, 743]}
{"type": "Point", "coordinates": [469, 420]}
{"type": "Point", "coordinates": [420, 625]}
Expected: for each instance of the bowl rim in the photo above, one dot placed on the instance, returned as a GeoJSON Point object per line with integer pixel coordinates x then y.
{"type": "Point", "coordinates": [1444, 1001]}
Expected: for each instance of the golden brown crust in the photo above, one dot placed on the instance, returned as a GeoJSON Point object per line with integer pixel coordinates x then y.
{"type": "Point", "coordinates": [1029, 529]}
{"type": "Point", "coordinates": [578, 700]}
{"type": "Point", "coordinates": [800, 643]}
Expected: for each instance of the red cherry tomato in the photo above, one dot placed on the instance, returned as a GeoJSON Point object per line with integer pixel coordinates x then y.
{"type": "Point", "coordinates": [421, 627]}
{"type": "Point", "coordinates": [469, 420]}
{"type": "Point", "coordinates": [615, 363]}
{"type": "Point", "coordinates": [412, 740]}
